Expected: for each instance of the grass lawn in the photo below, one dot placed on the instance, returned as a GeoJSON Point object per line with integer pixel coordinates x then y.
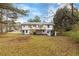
{"type": "Point", "coordinates": [8, 36]}
{"type": "Point", "coordinates": [74, 35]}
{"type": "Point", "coordinates": [15, 44]}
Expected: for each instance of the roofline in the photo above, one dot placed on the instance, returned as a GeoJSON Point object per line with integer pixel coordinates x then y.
{"type": "Point", "coordinates": [39, 23]}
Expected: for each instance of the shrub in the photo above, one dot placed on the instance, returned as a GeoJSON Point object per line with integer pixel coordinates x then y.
{"type": "Point", "coordinates": [74, 35]}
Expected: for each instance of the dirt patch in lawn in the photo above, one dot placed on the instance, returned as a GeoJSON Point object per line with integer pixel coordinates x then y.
{"type": "Point", "coordinates": [17, 40]}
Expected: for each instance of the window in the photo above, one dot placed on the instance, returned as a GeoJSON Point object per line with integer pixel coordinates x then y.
{"type": "Point", "coordinates": [48, 26]}
{"type": "Point", "coordinates": [23, 31]}
{"type": "Point", "coordinates": [23, 25]}
{"type": "Point", "coordinates": [47, 31]}
{"type": "Point", "coordinates": [26, 31]}
{"type": "Point", "coordinates": [43, 30]}
{"type": "Point", "coordinates": [34, 25]}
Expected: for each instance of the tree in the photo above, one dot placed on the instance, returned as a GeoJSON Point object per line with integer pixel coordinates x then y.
{"type": "Point", "coordinates": [36, 19]}
{"type": "Point", "coordinates": [10, 8]}
{"type": "Point", "coordinates": [63, 19]}
{"type": "Point", "coordinates": [1, 27]}
{"type": "Point", "coordinates": [30, 20]}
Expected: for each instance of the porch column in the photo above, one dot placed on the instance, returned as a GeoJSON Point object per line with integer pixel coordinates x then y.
{"type": "Point", "coordinates": [55, 33]}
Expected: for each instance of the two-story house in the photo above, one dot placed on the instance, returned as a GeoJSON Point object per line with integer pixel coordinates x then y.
{"type": "Point", "coordinates": [37, 28]}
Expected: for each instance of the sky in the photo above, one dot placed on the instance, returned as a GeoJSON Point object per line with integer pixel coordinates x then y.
{"type": "Point", "coordinates": [43, 10]}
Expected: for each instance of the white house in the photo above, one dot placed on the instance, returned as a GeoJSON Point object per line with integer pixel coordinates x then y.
{"type": "Point", "coordinates": [37, 27]}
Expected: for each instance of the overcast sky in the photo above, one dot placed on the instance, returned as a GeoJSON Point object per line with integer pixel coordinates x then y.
{"type": "Point", "coordinates": [40, 9]}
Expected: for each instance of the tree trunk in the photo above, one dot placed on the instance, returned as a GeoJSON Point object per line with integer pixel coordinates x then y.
{"type": "Point", "coordinates": [1, 18]}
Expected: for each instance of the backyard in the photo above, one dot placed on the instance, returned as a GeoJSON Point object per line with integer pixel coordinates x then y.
{"type": "Point", "coordinates": [16, 44]}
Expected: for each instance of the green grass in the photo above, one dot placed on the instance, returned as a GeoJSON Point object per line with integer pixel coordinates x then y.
{"type": "Point", "coordinates": [74, 35]}
{"type": "Point", "coordinates": [36, 45]}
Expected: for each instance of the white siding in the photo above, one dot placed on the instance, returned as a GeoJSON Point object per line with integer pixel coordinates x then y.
{"type": "Point", "coordinates": [25, 27]}
{"type": "Point", "coordinates": [46, 27]}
